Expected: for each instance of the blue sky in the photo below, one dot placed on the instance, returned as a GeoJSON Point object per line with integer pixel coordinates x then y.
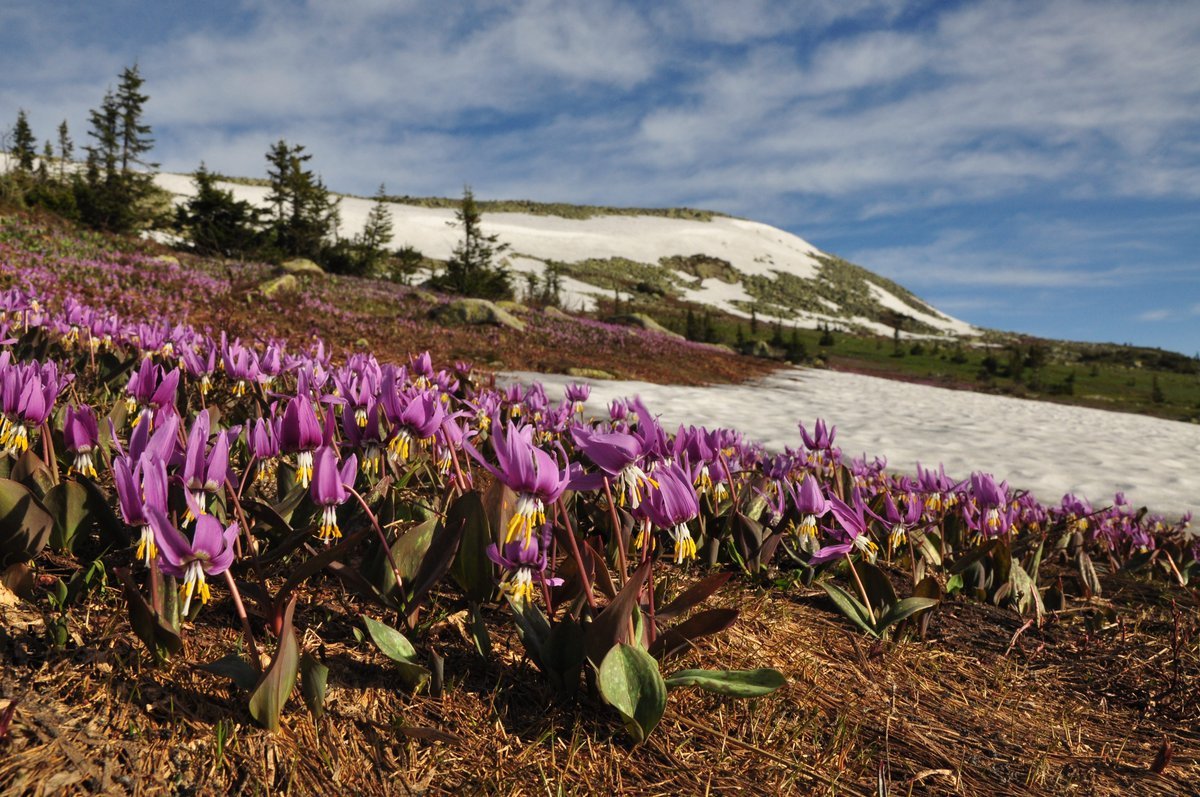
{"type": "Point", "coordinates": [1032, 166]}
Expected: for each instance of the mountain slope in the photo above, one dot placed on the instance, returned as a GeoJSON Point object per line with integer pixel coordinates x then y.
{"type": "Point", "coordinates": [733, 265]}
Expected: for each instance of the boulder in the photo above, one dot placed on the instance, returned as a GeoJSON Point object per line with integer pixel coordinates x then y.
{"type": "Point", "coordinates": [301, 265]}
{"type": "Point", "coordinates": [589, 373]}
{"type": "Point", "coordinates": [285, 283]}
{"type": "Point", "coordinates": [512, 307]}
{"type": "Point", "coordinates": [643, 321]}
{"type": "Point", "coordinates": [553, 312]}
{"type": "Point", "coordinates": [477, 311]}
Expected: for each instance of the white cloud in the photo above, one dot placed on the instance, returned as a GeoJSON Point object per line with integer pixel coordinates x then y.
{"type": "Point", "coordinates": [1161, 314]}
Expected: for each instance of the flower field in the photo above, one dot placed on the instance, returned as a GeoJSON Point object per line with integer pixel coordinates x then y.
{"type": "Point", "coordinates": [255, 544]}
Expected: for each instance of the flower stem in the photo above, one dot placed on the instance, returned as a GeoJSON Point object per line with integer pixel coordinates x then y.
{"type": "Point", "coordinates": [387, 549]}
{"type": "Point", "coordinates": [241, 613]}
{"type": "Point", "coordinates": [861, 589]}
{"type": "Point", "coordinates": [587, 582]}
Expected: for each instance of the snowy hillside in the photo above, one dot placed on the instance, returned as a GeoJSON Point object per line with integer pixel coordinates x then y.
{"type": "Point", "coordinates": [730, 264]}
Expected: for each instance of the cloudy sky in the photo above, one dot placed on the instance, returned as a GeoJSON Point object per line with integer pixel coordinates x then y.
{"type": "Point", "coordinates": [1032, 166]}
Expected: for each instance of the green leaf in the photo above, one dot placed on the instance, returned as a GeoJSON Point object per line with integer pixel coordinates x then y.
{"type": "Point", "coordinates": [392, 644]}
{"type": "Point", "coordinates": [472, 570]}
{"type": "Point", "coordinates": [903, 609]}
{"type": "Point", "coordinates": [71, 505]}
{"type": "Point", "coordinates": [33, 473]}
{"type": "Point", "coordinates": [734, 683]}
{"type": "Point", "coordinates": [159, 637]}
{"type": "Point", "coordinates": [612, 624]}
{"type": "Point", "coordinates": [276, 684]}
{"type": "Point", "coordinates": [563, 657]}
{"type": "Point", "coordinates": [629, 681]}
{"type": "Point", "coordinates": [235, 668]}
{"type": "Point", "coordinates": [954, 583]}
{"type": "Point", "coordinates": [700, 624]}
{"type": "Point", "coordinates": [533, 629]}
{"type": "Point", "coordinates": [313, 679]}
{"type": "Point", "coordinates": [25, 525]}
{"type": "Point", "coordinates": [878, 586]}
{"type": "Point", "coordinates": [853, 609]}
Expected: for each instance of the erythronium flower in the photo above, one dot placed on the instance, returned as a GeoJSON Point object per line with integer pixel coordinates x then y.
{"type": "Point", "coordinates": [617, 454]}
{"type": "Point", "coordinates": [81, 435]}
{"type": "Point", "coordinates": [992, 500]}
{"type": "Point", "coordinates": [577, 394]}
{"type": "Point", "coordinates": [900, 523]}
{"type": "Point", "coordinates": [329, 489]}
{"type": "Point", "coordinates": [810, 503]}
{"type": "Point", "coordinates": [140, 489]}
{"type": "Point", "coordinates": [414, 419]}
{"type": "Point", "coordinates": [204, 472]}
{"type": "Point", "coordinates": [530, 472]}
{"type": "Point", "coordinates": [524, 561]}
{"type": "Point", "coordinates": [300, 434]}
{"type": "Point", "coordinates": [670, 506]}
{"type": "Point", "coordinates": [210, 553]}
{"type": "Point", "coordinates": [851, 529]}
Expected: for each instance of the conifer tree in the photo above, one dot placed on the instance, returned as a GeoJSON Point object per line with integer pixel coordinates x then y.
{"type": "Point", "coordinates": [305, 216]}
{"type": "Point", "coordinates": [23, 143]}
{"type": "Point", "coordinates": [215, 222]}
{"type": "Point", "coordinates": [472, 269]}
{"type": "Point", "coordinates": [66, 149]}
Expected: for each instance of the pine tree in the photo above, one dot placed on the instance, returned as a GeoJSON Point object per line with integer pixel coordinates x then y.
{"type": "Point", "coordinates": [43, 168]}
{"type": "Point", "coordinates": [215, 223]}
{"type": "Point", "coordinates": [472, 269]}
{"type": "Point", "coordinates": [372, 244]}
{"type": "Point", "coordinates": [66, 149]}
{"type": "Point", "coordinates": [133, 135]}
{"type": "Point", "coordinates": [118, 180]}
{"type": "Point", "coordinates": [23, 143]}
{"type": "Point", "coordinates": [305, 215]}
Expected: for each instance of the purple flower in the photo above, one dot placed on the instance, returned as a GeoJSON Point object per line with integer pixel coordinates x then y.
{"type": "Point", "coordinates": [530, 472]}
{"type": "Point", "coordinates": [670, 506]}
{"type": "Point", "coordinates": [140, 490]}
{"type": "Point", "coordinates": [204, 472]}
{"type": "Point", "coordinates": [210, 553]}
{"type": "Point", "coordinates": [617, 454]}
{"type": "Point", "coordinates": [851, 530]}
{"type": "Point", "coordinates": [525, 562]}
{"type": "Point", "coordinates": [811, 503]}
{"type": "Point", "coordinates": [300, 434]}
{"type": "Point", "coordinates": [329, 489]}
{"type": "Point", "coordinates": [81, 435]}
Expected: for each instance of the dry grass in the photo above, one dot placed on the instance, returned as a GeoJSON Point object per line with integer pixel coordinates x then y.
{"type": "Point", "coordinates": [1065, 709]}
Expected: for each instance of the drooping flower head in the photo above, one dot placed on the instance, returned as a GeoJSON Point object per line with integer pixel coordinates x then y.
{"type": "Point", "coordinates": [81, 435]}
{"type": "Point", "coordinates": [524, 560]}
{"type": "Point", "coordinates": [528, 471]}
{"type": "Point", "coordinates": [619, 457]}
{"type": "Point", "coordinates": [209, 553]}
{"type": "Point", "coordinates": [300, 434]}
{"type": "Point", "coordinates": [329, 489]}
{"type": "Point", "coordinates": [810, 504]}
{"type": "Point", "coordinates": [670, 505]}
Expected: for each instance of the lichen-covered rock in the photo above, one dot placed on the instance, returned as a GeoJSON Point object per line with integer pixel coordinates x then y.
{"type": "Point", "coordinates": [301, 265]}
{"type": "Point", "coordinates": [285, 283]}
{"type": "Point", "coordinates": [589, 373]}
{"type": "Point", "coordinates": [513, 307]}
{"type": "Point", "coordinates": [553, 312]}
{"type": "Point", "coordinates": [643, 321]}
{"type": "Point", "coordinates": [477, 311]}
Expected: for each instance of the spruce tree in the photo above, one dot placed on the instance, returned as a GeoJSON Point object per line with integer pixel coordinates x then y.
{"type": "Point", "coordinates": [23, 143]}
{"type": "Point", "coordinates": [472, 269]}
{"type": "Point", "coordinates": [215, 222]}
{"type": "Point", "coordinates": [133, 134]}
{"type": "Point", "coordinates": [372, 244]}
{"type": "Point", "coordinates": [66, 149]}
{"type": "Point", "coordinates": [305, 216]}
